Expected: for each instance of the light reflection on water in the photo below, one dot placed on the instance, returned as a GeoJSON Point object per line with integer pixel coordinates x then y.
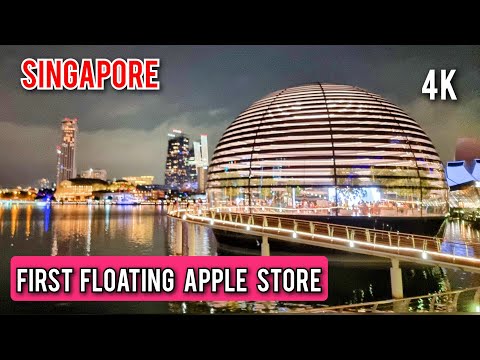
{"type": "Point", "coordinates": [145, 230]}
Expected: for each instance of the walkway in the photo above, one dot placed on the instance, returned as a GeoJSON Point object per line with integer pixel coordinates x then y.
{"type": "Point", "coordinates": [396, 246]}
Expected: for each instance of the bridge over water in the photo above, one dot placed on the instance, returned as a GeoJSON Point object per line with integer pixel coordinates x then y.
{"type": "Point", "coordinates": [399, 247]}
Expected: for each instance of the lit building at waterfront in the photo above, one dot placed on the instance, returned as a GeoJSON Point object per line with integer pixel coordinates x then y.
{"type": "Point", "coordinates": [79, 189]}
{"type": "Point", "coordinates": [464, 184]}
{"type": "Point", "coordinates": [178, 153]}
{"type": "Point", "coordinates": [152, 192]}
{"type": "Point", "coordinates": [140, 180]}
{"type": "Point", "coordinates": [95, 174]}
{"type": "Point", "coordinates": [18, 194]}
{"type": "Point", "coordinates": [333, 150]}
{"type": "Point", "coordinates": [66, 161]}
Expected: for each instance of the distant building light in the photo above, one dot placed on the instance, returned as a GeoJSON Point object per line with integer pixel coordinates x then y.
{"type": "Point", "coordinates": [176, 131]}
{"type": "Point", "coordinates": [171, 135]}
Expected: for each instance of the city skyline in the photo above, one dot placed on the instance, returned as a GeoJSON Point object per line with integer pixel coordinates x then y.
{"type": "Point", "coordinates": [203, 89]}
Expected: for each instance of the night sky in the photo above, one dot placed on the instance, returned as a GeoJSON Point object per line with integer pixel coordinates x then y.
{"type": "Point", "coordinates": [203, 89]}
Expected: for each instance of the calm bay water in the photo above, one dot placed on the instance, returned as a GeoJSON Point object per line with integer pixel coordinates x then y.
{"type": "Point", "coordinates": [145, 230]}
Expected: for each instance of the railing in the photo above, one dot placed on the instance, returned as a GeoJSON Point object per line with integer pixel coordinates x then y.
{"type": "Point", "coordinates": [409, 247]}
{"type": "Point", "coordinates": [328, 210]}
{"type": "Point", "coordinates": [439, 302]}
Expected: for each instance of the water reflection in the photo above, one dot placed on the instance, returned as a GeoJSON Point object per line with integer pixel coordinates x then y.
{"type": "Point", "coordinates": [145, 230]}
{"type": "Point", "coordinates": [459, 237]}
{"type": "Point", "coordinates": [84, 230]}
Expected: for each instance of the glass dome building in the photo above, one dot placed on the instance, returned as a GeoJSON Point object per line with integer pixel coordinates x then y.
{"type": "Point", "coordinates": [331, 150]}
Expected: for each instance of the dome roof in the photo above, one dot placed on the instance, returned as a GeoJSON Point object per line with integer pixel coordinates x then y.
{"type": "Point", "coordinates": [324, 136]}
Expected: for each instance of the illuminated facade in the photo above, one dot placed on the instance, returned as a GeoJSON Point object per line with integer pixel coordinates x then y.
{"type": "Point", "coordinates": [95, 174]}
{"type": "Point", "coordinates": [178, 153]}
{"type": "Point", "coordinates": [338, 149]}
{"type": "Point", "coordinates": [79, 189]}
{"type": "Point", "coordinates": [464, 183]}
{"type": "Point", "coordinates": [201, 162]}
{"type": "Point", "coordinates": [140, 180]}
{"type": "Point", "coordinates": [66, 162]}
{"type": "Point", "coordinates": [191, 172]}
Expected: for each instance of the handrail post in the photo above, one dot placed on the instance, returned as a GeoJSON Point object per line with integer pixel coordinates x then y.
{"type": "Point", "coordinates": [433, 300]}
{"type": "Point", "coordinates": [367, 235]}
{"type": "Point", "coordinates": [279, 224]}
{"type": "Point", "coordinates": [390, 238]}
{"type": "Point", "coordinates": [413, 241]}
{"type": "Point", "coordinates": [312, 228]}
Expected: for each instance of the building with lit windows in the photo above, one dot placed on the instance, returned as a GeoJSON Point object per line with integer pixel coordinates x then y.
{"type": "Point", "coordinates": [192, 184]}
{"type": "Point", "coordinates": [79, 189]}
{"type": "Point", "coordinates": [66, 161]}
{"type": "Point", "coordinates": [140, 180]}
{"type": "Point", "coordinates": [201, 162]}
{"type": "Point", "coordinates": [333, 152]}
{"type": "Point", "coordinates": [464, 184]}
{"type": "Point", "coordinates": [178, 153]}
{"type": "Point", "coordinates": [463, 175]}
{"type": "Point", "coordinates": [95, 174]}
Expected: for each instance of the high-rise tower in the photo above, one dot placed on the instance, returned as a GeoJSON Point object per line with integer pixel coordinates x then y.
{"type": "Point", "coordinates": [201, 162]}
{"type": "Point", "coordinates": [178, 152]}
{"type": "Point", "coordinates": [66, 162]}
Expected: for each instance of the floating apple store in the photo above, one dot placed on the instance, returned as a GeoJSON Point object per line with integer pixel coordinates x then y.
{"type": "Point", "coordinates": [329, 151]}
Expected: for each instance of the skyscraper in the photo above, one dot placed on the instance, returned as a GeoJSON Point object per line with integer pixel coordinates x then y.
{"type": "Point", "coordinates": [178, 152]}
{"type": "Point", "coordinates": [192, 171]}
{"type": "Point", "coordinates": [66, 165]}
{"type": "Point", "coordinates": [201, 162]}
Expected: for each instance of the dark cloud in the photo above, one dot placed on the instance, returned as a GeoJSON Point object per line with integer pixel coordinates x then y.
{"type": "Point", "coordinates": [203, 88]}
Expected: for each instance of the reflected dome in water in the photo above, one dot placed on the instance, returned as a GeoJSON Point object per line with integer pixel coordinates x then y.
{"type": "Point", "coordinates": [336, 148]}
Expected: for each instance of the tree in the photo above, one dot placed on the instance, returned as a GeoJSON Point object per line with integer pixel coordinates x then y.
{"type": "Point", "coordinates": [349, 185]}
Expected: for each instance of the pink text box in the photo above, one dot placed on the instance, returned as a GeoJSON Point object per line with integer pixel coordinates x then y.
{"type": "Point", "coordinates": [179, 265]}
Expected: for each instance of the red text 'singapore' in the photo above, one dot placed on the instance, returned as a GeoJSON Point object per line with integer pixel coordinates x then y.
{"type": "Point", "coordinates": [90, 74]}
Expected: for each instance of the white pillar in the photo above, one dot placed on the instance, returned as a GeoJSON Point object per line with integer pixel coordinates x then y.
{"type": "Point", "coordinates": [191, 239]}
{"type": "Point", "coordinates": [396, 280]}
{"type": "Point", "coordinates": [265, 246]}
{"type": "Point", "coordinates": [179, 238]}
